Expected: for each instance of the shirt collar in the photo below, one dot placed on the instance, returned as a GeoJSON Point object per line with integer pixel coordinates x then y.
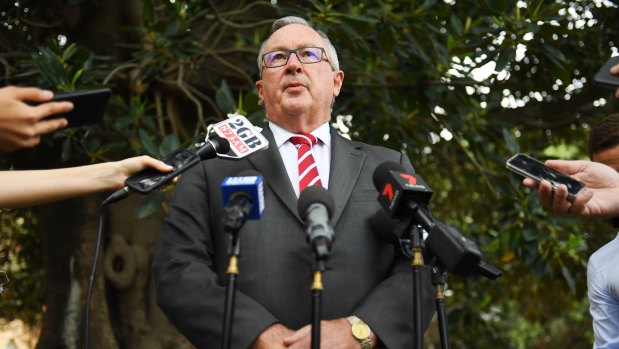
{"type": "Point", "coordinates": [281, 135]}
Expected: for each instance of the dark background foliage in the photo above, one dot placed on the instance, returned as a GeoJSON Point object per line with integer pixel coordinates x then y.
{"type": "Point", "coordinates": [413, 82]}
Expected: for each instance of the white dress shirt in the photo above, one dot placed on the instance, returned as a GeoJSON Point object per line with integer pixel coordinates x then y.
{"type": "Point", "coordinates": [603, 289]}
{"type": "Point", "coordinates": [321, 153]}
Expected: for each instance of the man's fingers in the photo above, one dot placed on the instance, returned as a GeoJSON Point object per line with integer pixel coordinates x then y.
{"type": "Point", "coordinates": [530, 183]}
{"type": "Point", "coordinates": [48, 126]}
{"type": "Point", "coordinates": [560, 203]}
{"type": "Point", "coordinates": [297, 336]}
{"type": "Point", "coordinates": [578, 206]}
{"type": "Point", "coordinates": [158, 165]}
{"type": "Point", "coordinates": [30, 93]}
{"type": "Point", "coordinates": [546, 194]}
{"type": "Point", "coordinates": [52, 108]}
{"type": "Point", "coordinates": [11, 143]}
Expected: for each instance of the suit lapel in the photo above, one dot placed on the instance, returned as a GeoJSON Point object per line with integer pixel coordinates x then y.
{"type": "Point", "coordinates": [270, 164]}
{"type": "Point", "coordinates": [346, 163]}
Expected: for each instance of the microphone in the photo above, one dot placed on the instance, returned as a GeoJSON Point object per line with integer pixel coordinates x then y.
{"type": "Point", "coordinates": [232, 138]}
{"type": "Point", "coordinates": [181, 160]}
{"type": "Point", "coordinates": [403, 195]}
{"type": "Point", "coordinates": [392, 231]}
{"type": "Point", "coordinates": [387, 228]}
{"type": "Point", "coordinates": [316, 208]}
{"type": "Point", "coordinates": [243, 199]}
{"type": "Point", "coordinates": [244, 138]}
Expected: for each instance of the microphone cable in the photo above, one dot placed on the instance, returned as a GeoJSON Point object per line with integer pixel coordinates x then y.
{"type": "Point", "coordinates": [116, 196]}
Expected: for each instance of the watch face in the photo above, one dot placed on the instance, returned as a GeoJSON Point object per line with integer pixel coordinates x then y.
{"type": "Point", "coordinates": [361, 331]}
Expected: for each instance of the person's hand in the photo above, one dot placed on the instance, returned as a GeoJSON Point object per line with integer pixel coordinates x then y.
{"type": "Point", "coordinates": [272, 337]}
{"type": "Point", "coordinates": [126, 168]}
{"type": "Point", "coordinates": [599, 199]}
{"type": "Point", "coordinates": [615, 70]}
{"type": "Point", "coordinates": [334, 334]}
{"type": "Point", "coordinates": [21, 124]}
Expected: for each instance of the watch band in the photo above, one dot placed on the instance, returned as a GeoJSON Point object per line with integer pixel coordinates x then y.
{"type": "Point", "coordinates": [361, 331]}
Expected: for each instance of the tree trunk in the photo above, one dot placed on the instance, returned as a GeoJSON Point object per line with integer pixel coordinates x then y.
{"type": "Point", "coordinates": [69, 232]}
{"type": "Point", "coordinates": [126, 265]}
{"type": "Point", "coordinates": [123, 313]}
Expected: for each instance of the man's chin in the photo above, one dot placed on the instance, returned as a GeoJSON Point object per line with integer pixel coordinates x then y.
{"type": "Point", "coordinates": [295, 107]}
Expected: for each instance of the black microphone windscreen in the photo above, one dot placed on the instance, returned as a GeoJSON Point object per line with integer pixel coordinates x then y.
{"type": "Point", "coordinates": [315, 195]}
{"type": "Point", "coordinates": [222, 146]}
{"type": "Point", "coordinates": [212, 147]}
{"type": "Point", "coordinates": [381, 173]}
{"type": "Point", "coordinates": [384, 226]}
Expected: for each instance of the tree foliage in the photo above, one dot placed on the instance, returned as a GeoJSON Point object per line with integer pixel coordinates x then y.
{"type": "Point", "coordinates": [459, 85]}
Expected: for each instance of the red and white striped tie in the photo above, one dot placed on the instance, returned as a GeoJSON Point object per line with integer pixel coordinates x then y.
{"type": "Point", "coordinates": [308, 173]}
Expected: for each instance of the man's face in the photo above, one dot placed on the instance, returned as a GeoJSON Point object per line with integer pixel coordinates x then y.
{"type": "Point", "coordinates": [609, 157]}
{"type": "Point", "coordinates": [298, 96]}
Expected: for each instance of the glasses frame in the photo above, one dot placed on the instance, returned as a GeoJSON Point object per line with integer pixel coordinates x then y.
{"type": "Point", "coordinates": [323, 56]}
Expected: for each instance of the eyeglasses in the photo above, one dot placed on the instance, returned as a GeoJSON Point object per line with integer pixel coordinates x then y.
{"type": "Point", "coordinates": [306, 55]}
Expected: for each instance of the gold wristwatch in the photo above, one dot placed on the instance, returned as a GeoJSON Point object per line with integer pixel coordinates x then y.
{"type": "Point", "coordinates": [361, 331]}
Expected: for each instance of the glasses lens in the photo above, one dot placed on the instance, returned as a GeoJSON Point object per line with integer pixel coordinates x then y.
{"type": "Point", "coordinates": [309, 54]}
{"type": "Point", "coordinates": [275, 58]}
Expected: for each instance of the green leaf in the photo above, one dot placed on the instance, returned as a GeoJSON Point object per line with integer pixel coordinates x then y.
{"type": "Point", "coordinates": [456, 24]}
{"type": "Point", "coordinates": [510, 141]}
{"type": "Point", "coordinates": [224, 98]}
{"type": "Point", "coordinates": [168, 144]}
{"type": "Point", "coordinates": [150, 204]}
{"type": "Point", "coordinates": [66, 150]}
{"type": "Point", "coordinates": [147, 143]}
{"type": "Point", "coordinates": [505, 57]}
{"type": "Point", "coordinates": [567, 275]}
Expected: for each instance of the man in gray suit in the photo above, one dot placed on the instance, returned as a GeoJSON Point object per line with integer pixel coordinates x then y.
{"type": "Point", "coordinates": [366, 279]}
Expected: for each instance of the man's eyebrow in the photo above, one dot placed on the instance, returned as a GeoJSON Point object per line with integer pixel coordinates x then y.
{"type": "Point", "coordinates": [285, 48]}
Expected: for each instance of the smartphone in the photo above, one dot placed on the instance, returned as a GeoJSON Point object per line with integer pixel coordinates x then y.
{"type": "Point", "coordinates": [150, 179]}
{"type": "Point", "coordinates": [527, 166]}
{"type": "Point", "coordinates": [88, 106]}
{"type": "Point", "coordinates": [604, 77]}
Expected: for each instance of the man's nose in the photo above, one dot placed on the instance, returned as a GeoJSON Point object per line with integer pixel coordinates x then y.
{"type": "Point", "coordinates": [293, 64]}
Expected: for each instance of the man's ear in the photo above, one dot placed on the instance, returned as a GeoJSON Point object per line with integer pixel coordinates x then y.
{"type": "Point", "coordinates": [259, 86]}
{"type": "Point", "coordinates": [338, 81]}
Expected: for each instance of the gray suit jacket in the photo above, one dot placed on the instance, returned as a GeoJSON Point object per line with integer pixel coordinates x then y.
{"type": "Point", "coordinates": [365, 275]}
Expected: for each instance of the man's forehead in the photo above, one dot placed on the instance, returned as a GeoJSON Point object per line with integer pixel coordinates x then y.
{"type": "Point", "coordinates": [293, 36]}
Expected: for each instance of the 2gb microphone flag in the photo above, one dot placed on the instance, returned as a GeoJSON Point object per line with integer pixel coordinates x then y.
{"type": "Point", "coordinates": [244, 138]}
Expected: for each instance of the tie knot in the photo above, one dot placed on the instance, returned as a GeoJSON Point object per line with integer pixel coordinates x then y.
{"type": "Point", "coordinates": [304, 138]}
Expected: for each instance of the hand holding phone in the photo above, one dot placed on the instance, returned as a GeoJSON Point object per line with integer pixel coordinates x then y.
{"type": "Point", "coordinates": [88, 106]}
{"type": "Point", "coordinates": [604, 77]}
{"type": "Point", "coordinates": [149, 179]}
{"type": "Point", "coordinates": [527, 166]}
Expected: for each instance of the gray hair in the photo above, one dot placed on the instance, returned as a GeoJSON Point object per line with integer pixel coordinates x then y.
{"type": "Point", "coordinates": [284, 21]}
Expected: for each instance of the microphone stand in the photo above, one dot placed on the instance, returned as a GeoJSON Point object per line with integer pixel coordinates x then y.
{"type": "Point", "coordinates": [319, 267]}
{"type": "Point", "coordinates": [233, 219]}
{"type": "Point", "coordinates": [438, 280]}
{"type": "Point", "coordinates": [233, 272]}
{"type": "Point", "coordinates": [417, 263]}
{"type": "Point", "coordinates": [321, 253]}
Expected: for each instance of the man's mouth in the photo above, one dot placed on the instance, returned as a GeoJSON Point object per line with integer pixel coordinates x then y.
{"type": "Point", "coordinates": [295, 86]}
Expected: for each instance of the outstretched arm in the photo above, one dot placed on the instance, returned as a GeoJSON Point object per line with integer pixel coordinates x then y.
{"type": "Point", "coordinates": [27, 188]}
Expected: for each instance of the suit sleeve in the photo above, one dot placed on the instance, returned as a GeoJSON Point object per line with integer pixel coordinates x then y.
{"type": "Point", "coordinates": [187, 286]}
{"type": "Point", "coordinates": [388, 309]}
